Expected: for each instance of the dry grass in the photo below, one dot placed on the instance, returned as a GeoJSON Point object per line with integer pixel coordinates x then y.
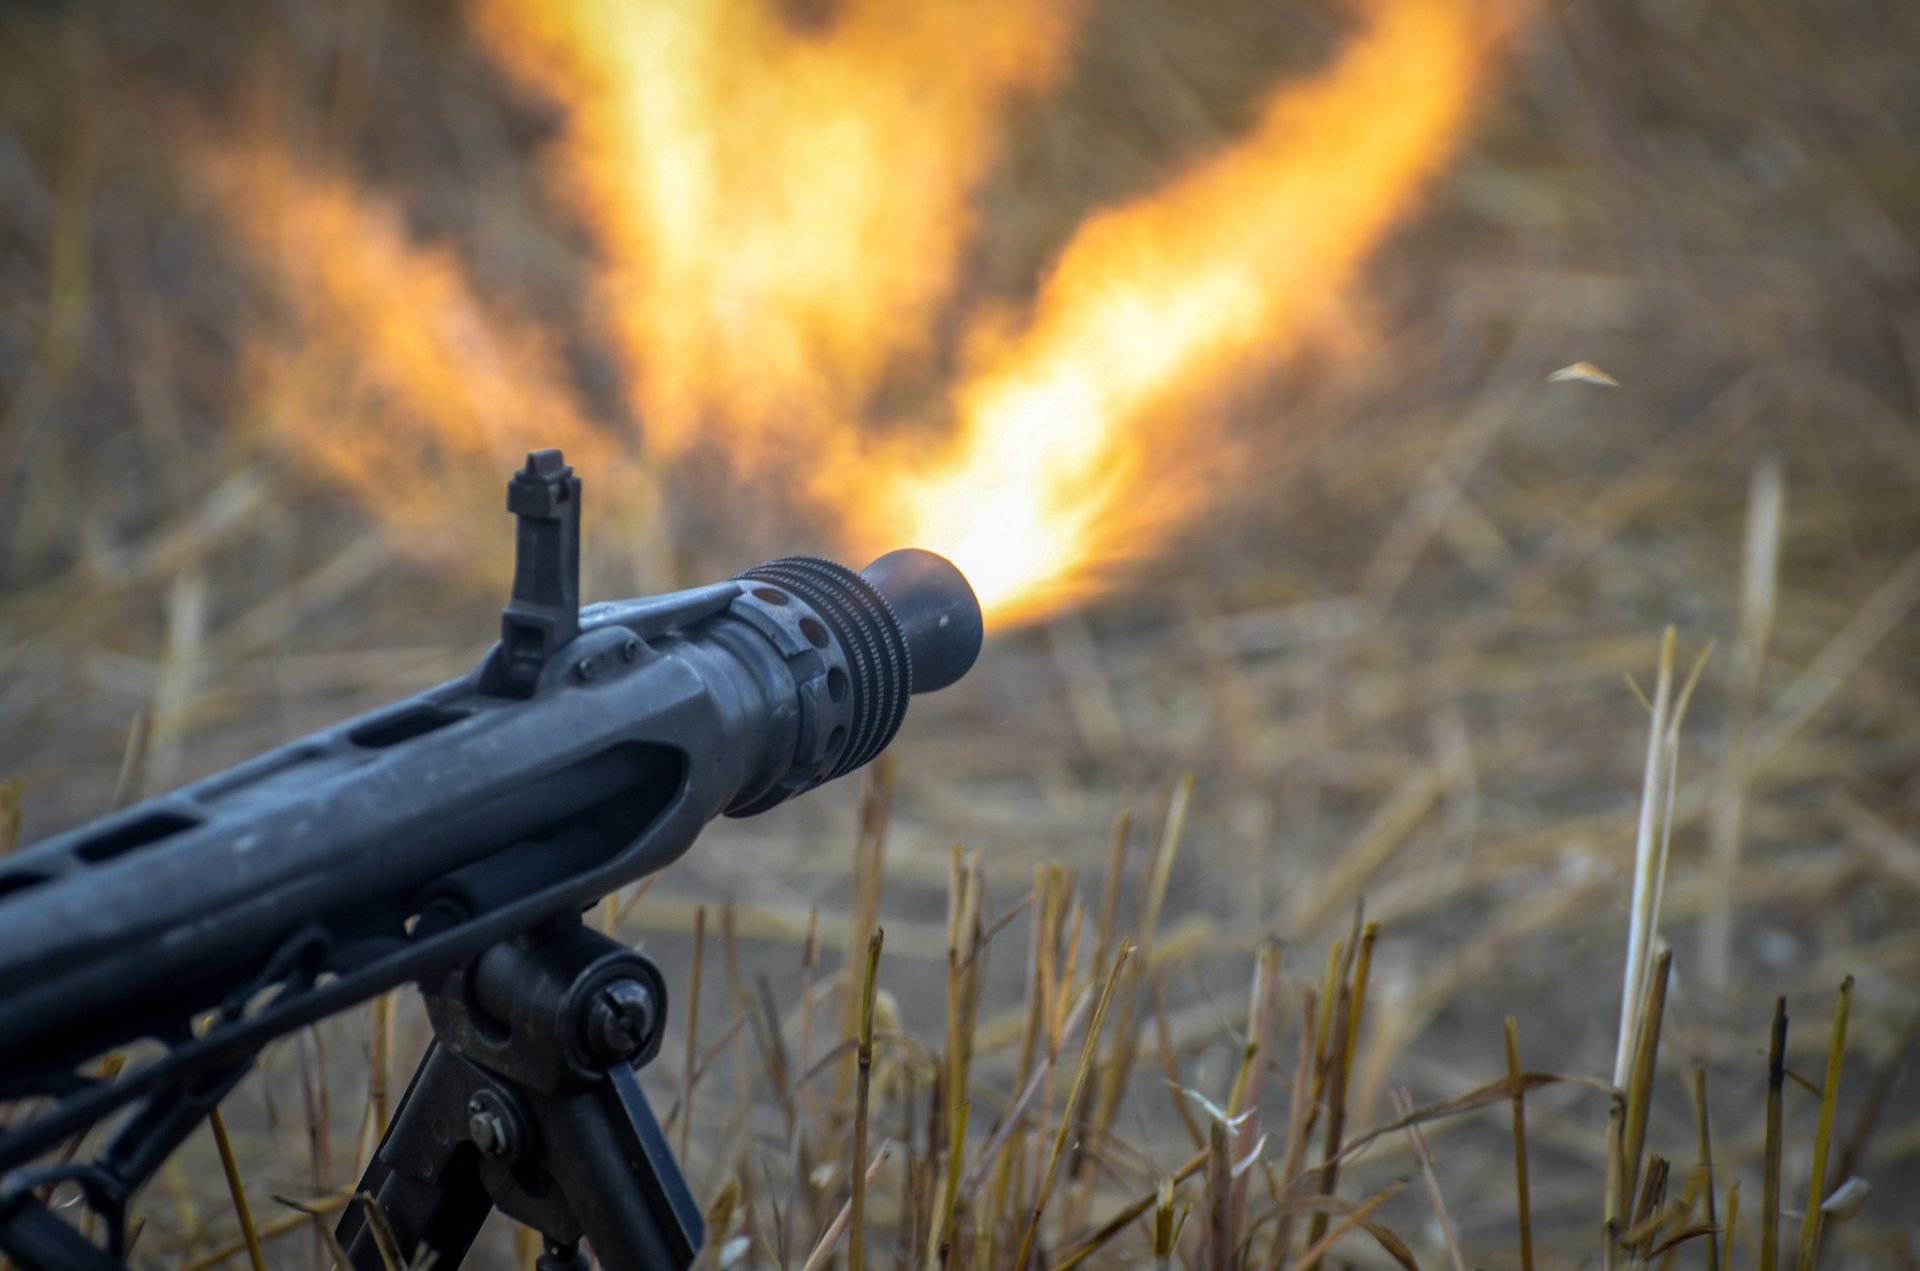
{"type": "Point", "coordinates": [1398, 679]}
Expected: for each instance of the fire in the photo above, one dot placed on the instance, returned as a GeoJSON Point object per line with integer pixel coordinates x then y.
{"type": "Point", "coordinates": [783, 204]}
{"type": "Point", "coordinates": [398, 381]}
{"type": "Point", "coordinates": [1071, 455]}
{"type": "Point", "coordinates": [784, 208]}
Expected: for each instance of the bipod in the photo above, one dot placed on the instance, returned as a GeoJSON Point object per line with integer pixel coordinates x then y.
{"type": "Point", "coordinates": [527, 1102]}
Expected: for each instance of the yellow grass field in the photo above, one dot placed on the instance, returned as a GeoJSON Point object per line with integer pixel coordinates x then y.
{"type": "Point", "coordinates": [1422, 457]}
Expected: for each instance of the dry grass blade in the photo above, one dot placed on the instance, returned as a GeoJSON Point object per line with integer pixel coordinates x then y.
{"type": "Point", "coordinates": [1704, 1145]}
{"type": "Point", "coordinates": [1404, 1103]}
{"type": "Point", "coordinates": [966, 890]}
{"type": "Point", "coordinates": [1869, 1116]}
{"type": "Point", "coordinates": [268, 1231]}
{"type": "Point", "coordinates": [1362, 974]}
{"type": "Point", "coordinates": [132, 781]}
{"type": "Point", "coordinates": [737, 1037]}
{"type": "Point", "coordinates": [10, 792]}
{"type": "Point", "coordinates": [1106, 927]}
{"type": "Point", "coordinates": [1334, 1039]}
{"type": "Point", "coordinates": [1645, 921]}
{"type": "Point", "coordinates": [1245, 1106]}
{"type": "Point", "coordinates": [238, 1190]}
{"type": "Point", "coordinates": [1161, 1196]}
{"type": "Point", "coordinates": [1330, 982]}
{"type": "Point", "coordinates": [1759, 589]}
{"type": "Point", "coordinates": [1638, 1038]}
{"type": "Point", "coordinates": [1493, 1092]}
{"type": "Point", "coordinates": [186, 1209]}
{"type": "Point", "coordinates": [1648, 1211]}
{"type": "Point", "coordinates": [1168, 1051]}
{"type": "Point", "coordinates": [1640, 1082]}
{"type": "Point", "coordinates": [1522, 1201]}
{"type": "Point", "coordinates": [1117, 1067]}
{"type": "Point", "coordinates": [1776, 1089]}
{"type": "Point", "coordinates": [869, 865]}
{"type": "Point", "coordinates": [1733, 1219]}
{"type": "Point", "coordinates": [385, 1240]}
{"type": "Point", "coordinates": [863, 1093]}
{"type": "Point", "coordinates": [1299, 1128]}
{"type": "Point", "coordinates": [380, 1065]}
{"type": "Point", "coordinates": [1809, 1248]}
{"type": "Point", "coordinates": [319, 1214]}
{"type": "Point", "coordinates": [181, 667]}
{"type": "Point", "coordinates": [316, 1101]}
{"type": "Point", "coordinates": [1337, 1067]}
{"type": "Point", "coordinates": [1672, 1243]}
{"type": "Point", "coordinates": [823, 1251]}
{"type": "Point", "coordinates": [943, 1227]}
{"type": "Point", "coordinates": [1392, 1245]}
{"type": "Point", "coordinates": [1353, 1218]}
{"type": "Point", "coordinates": [1221, 1239]}
{"type": "Point", "coordinates": [689, 1060]}
{"type": "Point", "coordinates": [1071, 1110]}
{"type": "Point", "coordinates": [636, 894]}
{"type": "Point", "coordinates": [995, 1149]}
{"type": "Point", "coordinates": [1165, 1229]}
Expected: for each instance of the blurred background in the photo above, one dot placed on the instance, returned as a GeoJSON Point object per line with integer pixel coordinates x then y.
{"type": "Point", "coordinates": [1225, 344]}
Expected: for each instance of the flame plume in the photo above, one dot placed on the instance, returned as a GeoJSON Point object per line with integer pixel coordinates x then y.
{"type": "Point", "coordinates": [783, 208]}
{"type": "Point", "coordinates": [1070, 457]}
{"type": "Point", "coordinates": [783, 211]}
{"type": "Point", "coordinates": [398, 382]}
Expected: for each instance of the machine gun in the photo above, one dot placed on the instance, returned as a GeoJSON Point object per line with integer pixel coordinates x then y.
{"type": "Point", "coordinates": [453, 840]}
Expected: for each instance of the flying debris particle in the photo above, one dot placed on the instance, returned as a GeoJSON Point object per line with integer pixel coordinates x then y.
{"type": "Point", "coordinates": [1585, 372]}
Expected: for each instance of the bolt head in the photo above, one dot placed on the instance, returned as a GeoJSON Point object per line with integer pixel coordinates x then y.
{"type": "Point", "coordinates": [492, 1127]}
{"type": "Point", "coordinates": [487, 1133]}
{"type": "Point", "coordinates": [620, 1021]}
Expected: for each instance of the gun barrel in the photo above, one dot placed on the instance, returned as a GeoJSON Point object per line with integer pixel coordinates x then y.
{"type": "Point", "coordinates": [359, 841]}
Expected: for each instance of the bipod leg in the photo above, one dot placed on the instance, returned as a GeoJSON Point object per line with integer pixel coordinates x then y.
{"type": "Point", "coordinates": [425, 1178]}
{"type": "Point", "coordinates": [615, 1177]}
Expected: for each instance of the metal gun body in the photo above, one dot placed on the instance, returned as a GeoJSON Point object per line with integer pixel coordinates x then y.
{"type": "Point", "coordinates": [655, 720]}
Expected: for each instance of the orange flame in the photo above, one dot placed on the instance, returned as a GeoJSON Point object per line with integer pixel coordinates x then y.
{"type": "Point", "coordinates": [400, 383]}
{"type": "Point", "coordinates": [1062, 468]}
{"type": "Point", "coordinates": [783, 208]}
{"type": "Point", "coordinates": [784, 212]}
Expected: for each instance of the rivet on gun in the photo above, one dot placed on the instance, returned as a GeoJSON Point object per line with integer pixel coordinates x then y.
{"type": "Point", "coordinates": [630, 650]}
{"type": "Point", "coordinates": [584, 668]}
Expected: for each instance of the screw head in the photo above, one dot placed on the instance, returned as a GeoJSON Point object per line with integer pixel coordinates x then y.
{"type": "Point", "coordinates": [620, 1021]}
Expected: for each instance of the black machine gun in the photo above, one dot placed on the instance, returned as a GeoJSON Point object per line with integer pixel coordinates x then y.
{"type": "Point", "coordinates": [452, 840]}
